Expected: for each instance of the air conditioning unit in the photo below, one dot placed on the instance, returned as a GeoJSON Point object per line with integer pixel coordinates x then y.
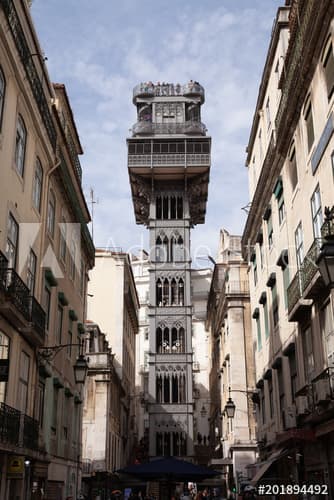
{"type": "Point", "coordinates": [322, 391]}
{"type": "Point", "coordinates": [302, 406]}
{"type": "Point", "coordinates": [289, 417]}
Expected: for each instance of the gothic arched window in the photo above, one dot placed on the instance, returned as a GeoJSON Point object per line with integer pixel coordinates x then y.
{"type": "Point", "coordinates": [158, 207]}
{"type": "Point", "coordinates": [158, 293]}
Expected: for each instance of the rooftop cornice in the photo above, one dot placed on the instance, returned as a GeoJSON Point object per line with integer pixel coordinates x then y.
{"type": "Point", "coordinates": [281, 22]}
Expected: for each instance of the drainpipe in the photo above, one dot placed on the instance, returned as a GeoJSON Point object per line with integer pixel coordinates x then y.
{"type": "Point", "coordinates": [44, 212]}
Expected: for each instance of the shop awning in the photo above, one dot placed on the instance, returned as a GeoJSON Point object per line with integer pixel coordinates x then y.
{"type": "Point", "coordinates": [264, 466]}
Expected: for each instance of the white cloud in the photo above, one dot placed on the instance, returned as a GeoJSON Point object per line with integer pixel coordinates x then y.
{"type": "Point", "coordinates": [222, 44]}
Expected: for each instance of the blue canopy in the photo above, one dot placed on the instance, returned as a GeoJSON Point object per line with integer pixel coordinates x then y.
{"type": "Point", "coordinates": [171, 469]}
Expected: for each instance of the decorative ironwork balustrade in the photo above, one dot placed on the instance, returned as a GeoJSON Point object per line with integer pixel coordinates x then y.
{"type": "Point", "coordinates": [309, 267]}
{"type": "Point", "coordinates": [74, 155]}
{"type": "Point", "coordinates": [3, 267]}
{"type": "Point", "coordinates": [292, 65]}
{"type": "Point", "coordinates": [148, 128]}
{"type": "Point", "coordinates": [86, 466]}
{"type": "Point", "coordinates": [168, 90]}
{"type": "Point", "coordinates": [17, 292]}
{"type": "Point", "coordinates": [30, 432]}
{"type": "Point", "coordinates": [30, 69]}
{"type": "Point", "coordinates": [147, 160]}
{"type": "Point", "coordinates": [37, 316]}
{"type": "Point", "coordinates": [9, 425]}
{"type": "Point", "coordinates": [294, 290]}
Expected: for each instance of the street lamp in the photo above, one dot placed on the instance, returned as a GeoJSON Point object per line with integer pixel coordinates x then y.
{"type": "Point", "coordinates": [325, 261]}
{"type": "Point", "coordinates": [230, 407]}
{"type": "Point", "coordinates": [80, 367]}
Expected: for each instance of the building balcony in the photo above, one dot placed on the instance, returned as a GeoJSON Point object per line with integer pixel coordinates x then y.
{"type": "Point", "coordinates": [237, 287]}
{"type": "Point", "coordinates": [306, 283]}
{"type": "Point", "coordinates": [146, 90]}
{"type": "Point", "coordinates": [17, 429]}
{"type": "Point", "coordinates": [173, 159]}
{"type": "Point", "coordinates": [86, 466]}
{"type": "Point", "coordinates": [18, 306]}
{"type": "Point", "coordinates": [184, 128]}
{"type": "Point", "coordinates": [98, 360]}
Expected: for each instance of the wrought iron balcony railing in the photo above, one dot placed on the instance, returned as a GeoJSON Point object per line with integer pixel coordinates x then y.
{"type": "Point", "coordinates": [189, 159]}
{"type": "Point", "coordinates": [168, 90]}
{"type": "Point", "coordinates": [17, 292]}
{"type": "Point", "coordinates": [294, 291]}
{"type": "Point", "coordinates": [74, 155]}
{"type": "Point", "coordinates": [149, 128]}
{"type": "Point", "coordinates": [37, 316]}
{"type": "Point", "coordinates": [304, 275]}
{"type": "Point", "coordinates": [18, 429]}
{"type": "Point", "coordinates": [86, 466]}
{"type": "Point", "coordinates": [9, 425]}
{"type": "Point", "coordinates": [30, 432]}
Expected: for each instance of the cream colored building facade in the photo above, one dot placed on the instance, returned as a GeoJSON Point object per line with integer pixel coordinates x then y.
{"type": "Point", "coordinates": [43, 270]}
{"type": "Point", "coordinates": [290, 165]}
{"type": "Point", "coordinates": [102, 433]}
{"type": "Point", "coordinates": [113, 304]}
{"type": "Point", "coordinates": [232, 371]}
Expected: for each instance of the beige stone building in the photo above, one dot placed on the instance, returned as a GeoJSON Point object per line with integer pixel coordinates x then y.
{"type": "Point", "coordinates": [102, 433]}
{"type": "Point", "coordinates": [232, 373]}
{"type": "Point", "coordinates": [113, 303]}
{"type": "Point", "coordinates": [290, 165]}
{"type": "Point", "coordinates": [46, 251]}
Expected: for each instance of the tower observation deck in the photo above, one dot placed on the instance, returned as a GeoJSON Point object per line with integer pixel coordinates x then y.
{"type": "Point", "coordinates": [169, 165]}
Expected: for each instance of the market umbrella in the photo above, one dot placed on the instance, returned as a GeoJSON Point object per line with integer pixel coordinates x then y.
{"type": "Point", "coordinates": [169, 469]}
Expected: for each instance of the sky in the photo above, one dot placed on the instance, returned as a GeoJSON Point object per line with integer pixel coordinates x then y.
{"type": "Point", "coordinates": [101, 49]}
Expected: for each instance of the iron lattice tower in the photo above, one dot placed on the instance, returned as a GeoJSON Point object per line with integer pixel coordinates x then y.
{"type": "Point", "coordinates": [169, 165]}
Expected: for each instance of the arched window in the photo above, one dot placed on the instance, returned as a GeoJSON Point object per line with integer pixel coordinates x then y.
{"type": "Point", "coordinates": [179, 250]}
{"type": "Point", "coordinates": [173, 292]}
{"type": "Point", "coordinates": [20, 145]}
{"type": "Point", "coordinates": [173, 207]}
{"type": "Point", "coordinates": [165, 249]}
{"type": "Point", "coordinates": [2, 94]}
{"type": "Point", "coordinates": [158, 384]}
{"type": "Point", "coordinates": [181, 292]}
{"type": "Point", "coordinates": [159, 447]}
{"type": "Point", "coordinates": [165, 293]}
{"type": "Point", "coordinates": [158, 207]}
{"type": "Point", "coordinates": [175, 342]}
{"type": "Point", "coordinates": [158, 250]}
{"type": "Point", "coordinates": [175, 389]}
{"type": "Point", "coordinates": [165, 207]}
{"type": "Point", "coordinates": [167, 444]}
{"type": "Point", "coordinates": [181, 340]}
{"type": "Point", "coordinates": [158, 293]}
{"type": "Point", "coordinates": [172, 247]}
{"type": "Point", "coordinates": [158, 339]}
{"type": "Point", "coordinates": [166, 341]}
{"type": "Point", "coordinates": [166, 389]}
{"type": "Point", "coordinates": [38, 184]}
{"type": "Point", "coordinates": [179, 207]}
